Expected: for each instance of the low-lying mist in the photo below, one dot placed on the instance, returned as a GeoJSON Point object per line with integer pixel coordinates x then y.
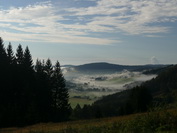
{"type": "Point", "coordinates": [112, 81]}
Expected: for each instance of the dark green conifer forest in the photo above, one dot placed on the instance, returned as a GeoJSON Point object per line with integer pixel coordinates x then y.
{"type": "Point", "coordinates": [34, 93]}
{"type": "Point", "coordinates": [30, 93]}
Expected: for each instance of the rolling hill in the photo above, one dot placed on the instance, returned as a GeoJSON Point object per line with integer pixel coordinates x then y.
{"type": "Point", "coordinates": [100, 66]}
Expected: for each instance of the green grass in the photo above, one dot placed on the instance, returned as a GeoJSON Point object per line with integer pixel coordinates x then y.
{"type": "Point", "coordinates": [80, 101]}
{"type": "Point", "coordinates": [86, 97]}
{"type": "Point", "coordinates": [152, 122]}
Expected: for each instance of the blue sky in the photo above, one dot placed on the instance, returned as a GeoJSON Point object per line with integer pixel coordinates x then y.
{"type": "Point", "coordinates": [131, 32]}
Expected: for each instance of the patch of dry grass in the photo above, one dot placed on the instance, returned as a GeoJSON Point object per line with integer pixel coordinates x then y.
{"type": "Point", "coordinates": [157, 121]}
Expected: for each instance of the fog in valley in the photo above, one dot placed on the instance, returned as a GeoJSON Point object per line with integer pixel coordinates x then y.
{"type": "Point", "coordinates": [92, 85]}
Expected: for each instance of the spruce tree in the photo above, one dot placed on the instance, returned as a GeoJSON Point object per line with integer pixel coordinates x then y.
{"type": "Point", "coordinates": [3, 82]}
{"type": "Point", "coordinates": [3, 64]}
{"type": "Point", "coordinates": [60, 95]}
{"type": "Point", "coordinates": [19, 55]}
{"type": "Point", "coordinates": [43, 92]}
{"type": "Point", "coordinates": [38, 66]}
{"type": "Point", "coordinates": [3, 55]}
{"type": "Point", "coordinates": [26, 84]}
{"type": "Point", "coordinates": [76, 113]}
{"type": "Point", "coordinates": [48, 68]}
{"type": "Point", "coordinates": [27, 59]}
{"type": "Point", "coordinates": [10, 54]}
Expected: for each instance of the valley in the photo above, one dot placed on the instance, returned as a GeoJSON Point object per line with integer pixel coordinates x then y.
{"type": "Point", "coordinates": [88, 84]}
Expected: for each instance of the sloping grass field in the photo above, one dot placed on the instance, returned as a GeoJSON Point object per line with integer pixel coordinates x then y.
{"type": "Point", "coordinates": [152, 122]}
{"type": "Point", "coordinates": [80, 101]}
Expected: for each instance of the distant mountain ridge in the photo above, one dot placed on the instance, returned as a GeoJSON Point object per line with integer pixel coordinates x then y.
{"type": "Point", "coordinates": [108, 66]}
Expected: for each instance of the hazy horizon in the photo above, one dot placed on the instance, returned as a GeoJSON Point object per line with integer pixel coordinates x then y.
{"type": "Point", "coordinates": [85, 31]}
{"type": "Point", "coordinates": [112, 63]}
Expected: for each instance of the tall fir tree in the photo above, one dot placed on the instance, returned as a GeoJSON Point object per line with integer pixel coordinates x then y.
{"type": "Point", "coordinates": [43, 92]}
{"type": "Point", "coordinates": [3, 81]}
{"type": "Point", "coordinates": [38, 66]}
{"type": "Point", "coordinates": [19, 55]}
{"type": "Point", "coordinates": [3, 55]}
{"type": "Point", "coordinates": [48, 68]}
{"type": "Point", "coordinates": [27, 59]}
{"type": "Point", "coordinates": [60, 94]}
{"type": "Point", "coordinates": [3, 65]}
{"type": "Point", "coordinates": [10, 55]}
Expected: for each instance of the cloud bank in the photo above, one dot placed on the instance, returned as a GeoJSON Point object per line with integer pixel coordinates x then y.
{"type": "Point", "coordinates": [46, 22]}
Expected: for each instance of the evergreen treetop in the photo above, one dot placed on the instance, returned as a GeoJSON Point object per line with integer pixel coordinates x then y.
{"type": "Point", "coordinates": [3, 55]}
{"type": "Point", "coordinates": [27, 59]}
{"type": "Point", "coordinates": [10, 54]}
{"type": "Point", "coordinates": [19, 54]}
{"type": "Point", "coordinates": [49, 68]}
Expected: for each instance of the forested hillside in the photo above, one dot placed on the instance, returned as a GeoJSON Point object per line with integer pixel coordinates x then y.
{"type": "Point", "coordinates": [159, 91]}
{"type": "Point", "coordinates": [30, 94]}
{"type": "Point", "coordinates": [164, 87]}
{"type": "Point", "coordinates": [103, 66]}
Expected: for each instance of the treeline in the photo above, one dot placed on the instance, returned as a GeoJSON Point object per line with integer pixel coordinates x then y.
{"type": "Point", "coordinates": [30, 93]}
{"type": "Point", "coordinates": [160, 91]}
{"type": "Point", "coordinates": [126, 102]}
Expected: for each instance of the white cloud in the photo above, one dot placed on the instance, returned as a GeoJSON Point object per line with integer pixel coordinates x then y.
{"type": "Point", "coordinates": [44, 21]}
{"type": "Point", "coordinates": [154, 60]}
{"type": "Point", "coordinates": [41, 23]}
{"type": "Point", "coordinates": [132, 17]}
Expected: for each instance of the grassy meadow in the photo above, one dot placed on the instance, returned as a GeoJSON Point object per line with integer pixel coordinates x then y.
{"type": "Point", "coordinates": [158, 121]}
{"type": "Point", "coordinates": [80, 101]}
{"type": "Point", "coordinates": [86, 97]}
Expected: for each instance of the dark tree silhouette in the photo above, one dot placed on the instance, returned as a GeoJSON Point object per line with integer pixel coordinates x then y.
{"type": "Point", "coordinates": [139, 99]}
{"type": "Point", "coordinates": [10, 55]}
{"type": "Point", "coordinates": [59, 94]}
{"type": "Point", "coordinates": [76, 114]}
{"type": "Point", "coordinates": [30, 94]}
{"type": "Point", "coordinates": [48, 68]}
{"type": "Point", "coordinates": [3, 55]}
{"type": "Point", "coordinates": [3, 81]}
{"type": "Point", "coordinates": [39, 67]}
{"type": "Point", "coordinates": [19, 55]}
{"type": "Point", "coordinates": [43, 93]}
{"type": "Point", "coordinates": [27, 59]}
